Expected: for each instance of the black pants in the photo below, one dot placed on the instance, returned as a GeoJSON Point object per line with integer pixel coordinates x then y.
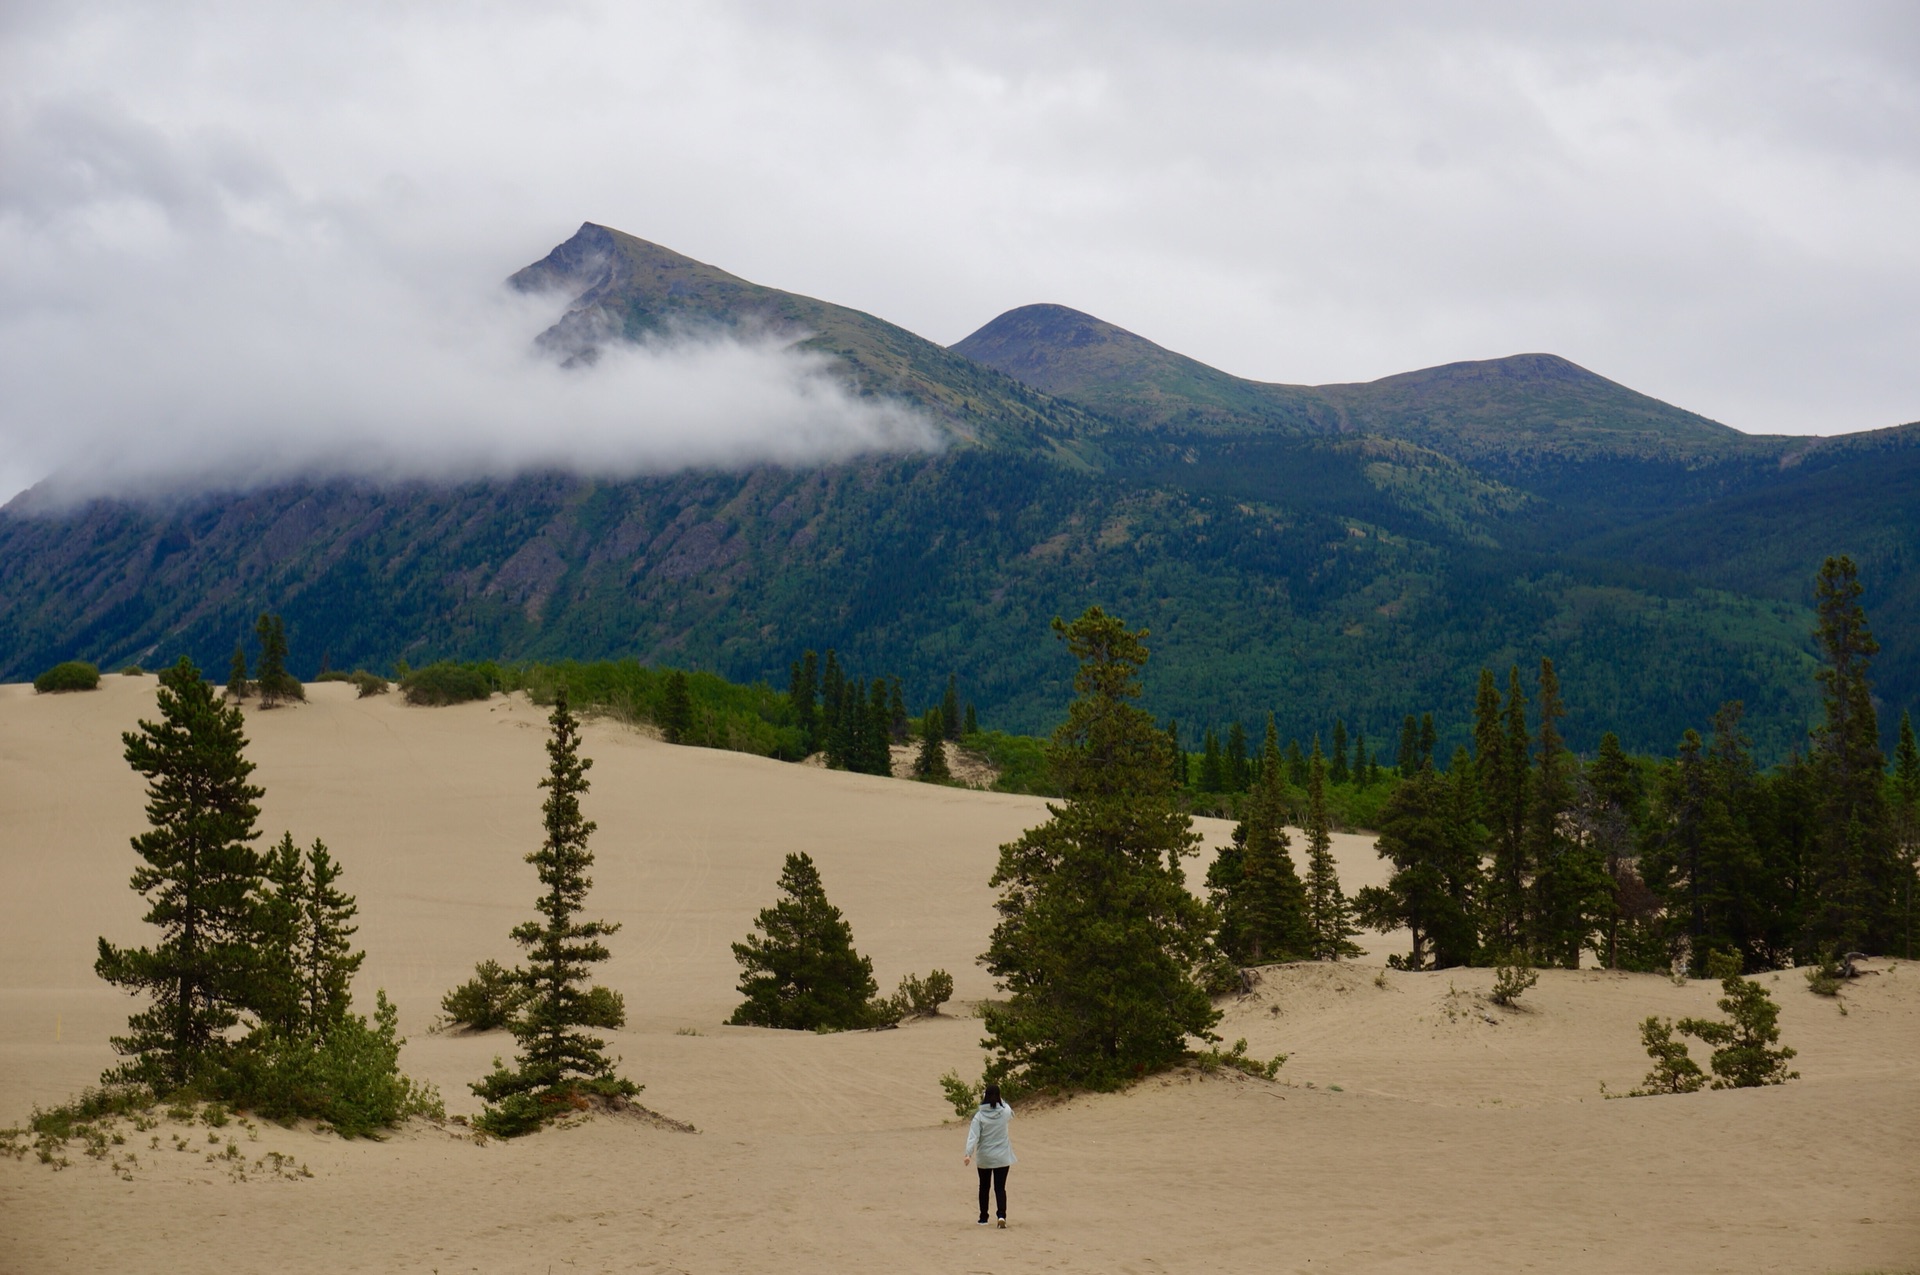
{"type": "Point", "coordinates": [998, 1179]}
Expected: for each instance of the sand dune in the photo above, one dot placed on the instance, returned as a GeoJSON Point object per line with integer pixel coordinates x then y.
{"type": "Point", "coordinates": [1416, 1128]}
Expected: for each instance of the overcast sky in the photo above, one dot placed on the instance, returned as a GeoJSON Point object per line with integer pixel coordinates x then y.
{"type": "Point", "coordinates": [277, 230]}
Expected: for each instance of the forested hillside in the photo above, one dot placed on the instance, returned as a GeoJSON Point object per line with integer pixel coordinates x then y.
{"type": "Point", "coordinates": [1359, 560]}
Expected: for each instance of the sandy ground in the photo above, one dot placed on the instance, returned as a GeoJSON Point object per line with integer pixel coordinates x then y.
{"type": "Point", "coordinates": [1415, 1128]}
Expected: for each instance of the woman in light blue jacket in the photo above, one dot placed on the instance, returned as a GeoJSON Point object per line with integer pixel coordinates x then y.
{"type": "Point", "coordinates": [987, 1142]}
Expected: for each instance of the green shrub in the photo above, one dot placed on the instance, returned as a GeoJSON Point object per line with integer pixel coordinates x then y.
{"type": "Point", "coordinates": [351, 1080]}
{"type": "Point", "coordinates": [1021, 761]}
{"type": "Point", "coordinates": [1510, 982]}
{"type": "Point", "coordinates": [605, 1008]}
{"type": "Point", "coordinates": [133, 670]}
{"type": "Point", "coordinates": [1824, 979]}
{"type": "Point", "coordinates": [438, 685]}
{"type": "Point", "coordinates": [74, 675]}
{"type": "Point", "coordinates": [964, 1097]}
{"type": "Point", "coordinates": [1212, 1060]}
{"type": "Point", "coordinates": [1743, 1053]}
{"type": "Point", "coordinates": [368, 683]}
{"type": "Point", "coordinates": [487, 1001]}
{"type": "Point", "coordinates": [334, 675]}
{"type": "Point", "coordinates": [1674, 1071]}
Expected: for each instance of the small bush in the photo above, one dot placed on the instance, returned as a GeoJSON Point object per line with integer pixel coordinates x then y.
{"type": "Point", "coordinates": [1510, 982]}
{"type": "Point", "coordinates": [1824, 979]}
{"type": "Point", "coordinates": [1213, 1060]}
{"type": "Point", "coordinates": [351, 1080]}
{"type": "Point", "coordinates": [74, 675]}
{"type": "Point", "coordinates": [1674, 1071]}
{"type": "Point", "coordinates": [487, 1001]}
{"type": "Point", "coordinates": [1743, 1053]}
{"type": "Point", "coordinates": [438, 685]}
{"type": "Point", "coordinates": [964, 1097]}
{"type": "Point", "coordinates": [133, 670]}
{"type": "Point", "coordinates": [334, 675]}
{"type": "Point", "coordinates": [604, 1008]}
{"type": "Point", "coordinates": [368, 683]}
{"type": "Point", "coordinates": [924, 999]}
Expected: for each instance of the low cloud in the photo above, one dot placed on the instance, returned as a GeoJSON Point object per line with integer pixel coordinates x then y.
{"type": "Point", "coordinates": [185, 321]}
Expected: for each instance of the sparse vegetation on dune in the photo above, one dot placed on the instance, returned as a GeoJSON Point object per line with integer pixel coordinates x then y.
{"type": "Point", "coordinates": [73, 675]}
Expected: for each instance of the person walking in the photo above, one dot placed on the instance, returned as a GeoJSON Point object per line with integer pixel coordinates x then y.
{"type": "Point", "coordinates": [987, 1142]}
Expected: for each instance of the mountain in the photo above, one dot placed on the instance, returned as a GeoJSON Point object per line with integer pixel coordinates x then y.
{"type": "Point", "coordinates": [1526, 404]}
{"type": "Point", "coordinates": [619, 288]}
{"type": "Point", "coordinates": [1352, 551]}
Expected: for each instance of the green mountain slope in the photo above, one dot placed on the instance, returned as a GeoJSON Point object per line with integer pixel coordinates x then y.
{"type": "Point", "coordinates": [1528, 404]}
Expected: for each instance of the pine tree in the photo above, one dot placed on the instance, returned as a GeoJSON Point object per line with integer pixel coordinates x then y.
{"type": "Point", "coordinates": [896, 712]}
{"type": "Point", "coordinates": [950, 707]}
{"type": "Point", "coordinates": [1906, 795]}
{"type": "Point", "coordinates": [1406, 758]}
{"type": "Point", "coordinates": [973, 721]}
{"type": "Point", "coordinates": [275, 683]}
{"type": "Point", "coordinates": [1336, 769]}
{"type": "Point", "coordinates": [201, 878]}
{"type": "Point", "coordinates": [1744, 1056]}
{"type": "Point", "coordinates": [676, 709]}
{"type": "Point", "coordinates": [558, 1061]}
{"type": "Point", "coordinates": [931, 761]}
{"type": "Point", "coordinates": [1568, 886]}
{"type": "Point", "coordinates": [1428, 739]}
{"type": "Point", "coordinates": [1178, 771]}
{"type": "Point", "coordinates": [803, 688]}
{"type": "Point", "coordinates": [1855, 866]}
{"type": "Point", "coordinates": [1297, 763]}
{"type": "Point", "coordinates": [238, 686]}
{"type": "Point", "coordinates": [1236, 768]}
{"type": "Point", "coordinates": [877, 739]}
{"type": "Point", "coordinates": [327, 960]}
{"type": "Point", "coordinates": [1428, 832]}
{"type": "Point", "coordinates": [1099, 945]}
{"type": "Point", "coordinates": [1213, 770]}
{"type": "Point", "coordinates": [307, 957]}
{"type": "Point", "coordinates": [1329, 915]}
{"type": "Point", "coordinates": [832, 705]}
{"type": "Point", "coordinates": [1505, 784]}
{"type": "Point", "coordinates": [1252, 882]}
{"type": "Point", "coordinates": [801, 970]}
{"type": "Point", "coordinates": [1360, 759]}
{"type": "Point", "coordinates": [1611, 812]}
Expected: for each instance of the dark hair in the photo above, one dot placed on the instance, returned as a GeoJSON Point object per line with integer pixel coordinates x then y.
{"type": "Point", "coordinates": [992, 1098]}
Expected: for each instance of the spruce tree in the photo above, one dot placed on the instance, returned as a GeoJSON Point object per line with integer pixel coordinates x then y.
{"type": "Point", "coordinates": [1297, 763]}
{"type": "Point", "coordinates": [1213, 771]}
{"type": "Point", "coordinates": [878, 737]}
{"type": "Point", "coordinates": [803, 688]}
{"type": "Point", "coordinates": [801, 970]}
{"type": "Point", "coordinates": [1329, 915]}
{"type": "Point", "coordinates": [237, 684]}
{"type": "Point", "coordinates": [1428, 832]}
{"type": "Point", "coordinates": [307, 960]}
{"type": "Point", "coordinates": [1360, 757]}
{"type": "Point", "coordinates": [1406, 758]}
{"type": "Point", "coordinates": [1252, 882]}
{"type": "Point", "coordinates": [1906, 797]}
{"type": "Point", "coordinates": [950, 707]}
{"type": "Point", "coordinates": [1336, 768]}
{"type": "Point", "coordinates": [676, 709]}
{"type": "Point", "coordinates": [1568, 888]}
{"type": "Point", "coordinates": [1100, 945]}
{"type": "Point", "coordinates": [1505, 784]}
{"type": "Point", "coordinates": [275, 683]}
{"type": "Point", "coordinates": [201, 878]}
{"type": "Point", "coordinates": [1428, 739]}
{"type": "Point", "coordinates": [973, 721]}
{"type": "Point", "coordinates": [1855, 865]}
{"type": "Point", "coordinates": [1612, 813]}
{"type": "Point", "coordinates": [1236, 768]}
{"type": "Point", "coordinates": [1178, 771]}
{"type": "Point", "coordinates": [558, 1062]}
{"type": "Point", "coordinates": [896, 712]}
{"type": "Point", "coordinates": [931, 761]}
{"type": "Point", "coordinates": [832, 705]}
